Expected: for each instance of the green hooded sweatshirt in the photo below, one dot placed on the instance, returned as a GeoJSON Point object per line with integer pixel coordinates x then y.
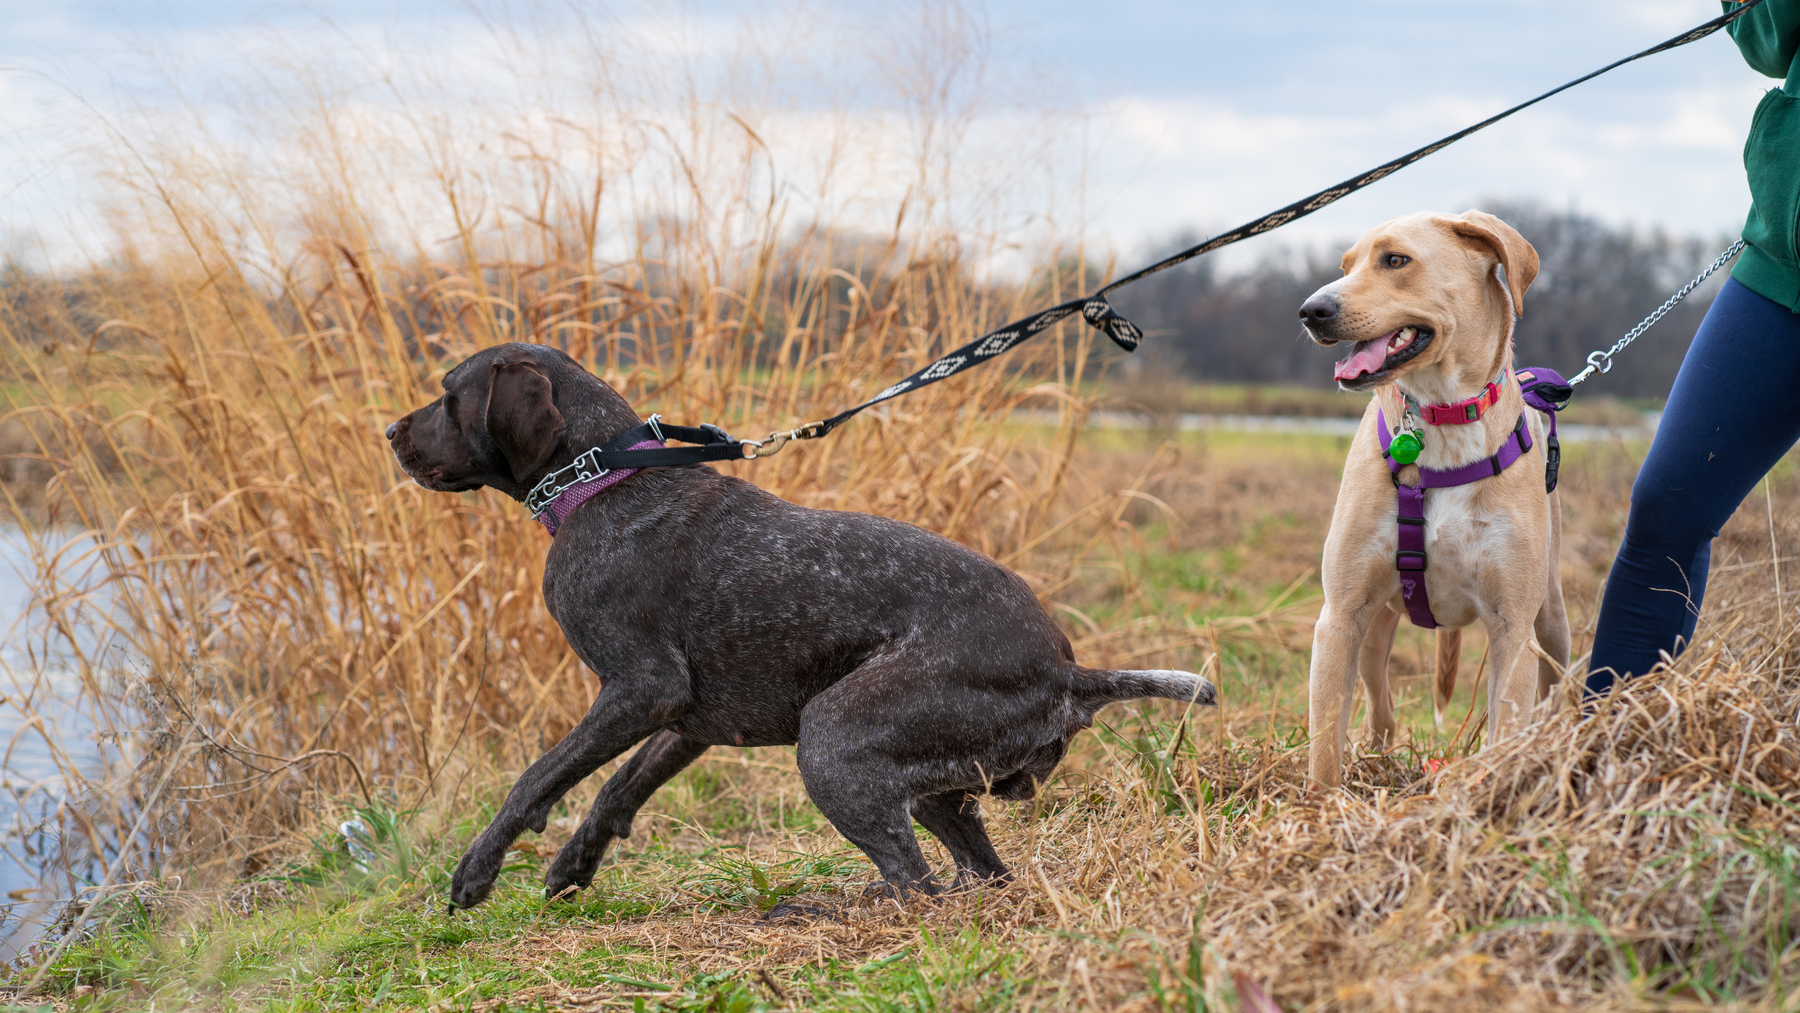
{"type": "Point", "coordinates": [1769, 38]}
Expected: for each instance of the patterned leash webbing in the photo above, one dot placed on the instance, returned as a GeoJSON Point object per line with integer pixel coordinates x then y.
{"type": "Point", "coordinates": [1100, 314]}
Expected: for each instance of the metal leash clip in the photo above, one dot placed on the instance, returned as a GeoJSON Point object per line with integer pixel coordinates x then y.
{"type": "Point", "coordinates": [771, 444]}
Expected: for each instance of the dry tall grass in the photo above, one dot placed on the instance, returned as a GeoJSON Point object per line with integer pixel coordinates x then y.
{"type": "Point", "coordinates": [288, 621]}
{"type": "Point", "coordinates": [293, 618]}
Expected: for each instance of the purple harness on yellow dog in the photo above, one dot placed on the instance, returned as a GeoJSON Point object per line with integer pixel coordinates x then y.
{"type": "Point", "coordinates": [1544, 390]}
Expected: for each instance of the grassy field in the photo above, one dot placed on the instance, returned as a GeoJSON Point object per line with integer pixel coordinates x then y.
{"type": "Point", "coordinates": [276, 632]}
{"type": "Point", "coordinates": [1173, 851]}
{"type": "Point", "coordinates": [1165, 397]}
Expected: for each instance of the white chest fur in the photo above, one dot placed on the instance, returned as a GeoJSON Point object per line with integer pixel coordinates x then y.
{"type": "Point", "coordinates": [1473, 533]}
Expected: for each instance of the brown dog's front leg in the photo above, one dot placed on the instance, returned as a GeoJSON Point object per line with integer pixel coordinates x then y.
{"type": "Point", "coordinates": [660, 758]}
{"type": "Point", "coordinates": [618, 720]}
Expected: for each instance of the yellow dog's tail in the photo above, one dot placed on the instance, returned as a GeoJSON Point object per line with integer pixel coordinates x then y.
{"type": "Point", "coordinates": [1449, 655]}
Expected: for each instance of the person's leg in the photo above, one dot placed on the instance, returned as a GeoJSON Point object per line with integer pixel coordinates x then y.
{"type": "Point", "coordinates": [1733, 412]}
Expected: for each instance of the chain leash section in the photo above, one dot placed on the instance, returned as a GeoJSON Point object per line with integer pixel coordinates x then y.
{"type": "Point", "coordinates": [1601, 362]}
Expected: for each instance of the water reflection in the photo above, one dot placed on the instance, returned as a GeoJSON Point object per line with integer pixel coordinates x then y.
{"type": "Point", "coordinates": [49, 738]}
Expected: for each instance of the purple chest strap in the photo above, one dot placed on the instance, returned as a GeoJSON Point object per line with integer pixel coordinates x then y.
{"type": "Point", "coordinates": [1541, 388]}
{"type": "Point", "coordinates": [1409, 557]}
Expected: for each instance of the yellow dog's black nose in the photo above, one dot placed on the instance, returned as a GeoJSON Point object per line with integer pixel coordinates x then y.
{"type": "Point", "coordinates": [1319, 309]}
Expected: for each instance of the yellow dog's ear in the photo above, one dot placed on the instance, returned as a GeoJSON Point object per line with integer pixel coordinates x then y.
{"type": "Point", "coordinates": [1514, 253]}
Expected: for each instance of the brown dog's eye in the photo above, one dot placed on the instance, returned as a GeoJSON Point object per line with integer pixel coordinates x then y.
{"type": "Point", "coordinates": [1396, 260]}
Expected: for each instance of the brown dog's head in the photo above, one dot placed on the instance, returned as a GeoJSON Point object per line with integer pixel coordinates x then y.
{"type": "Point", "coordinates": [509, 415]}
{"type": "Point", "coordinates": [1421, 292]}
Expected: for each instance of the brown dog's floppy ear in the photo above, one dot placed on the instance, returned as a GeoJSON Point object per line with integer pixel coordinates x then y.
{"type": "Point", "coordinates": [521, 419]}
{"type": "Point", "coordinates": [1516, 255]}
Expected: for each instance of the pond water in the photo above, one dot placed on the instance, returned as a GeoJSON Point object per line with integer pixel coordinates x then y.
{"type": "Point", "coordinates": [42, 714]}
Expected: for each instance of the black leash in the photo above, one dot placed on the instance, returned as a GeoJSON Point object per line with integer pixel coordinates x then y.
{"type": "Point", "coordinates": [716, 445]}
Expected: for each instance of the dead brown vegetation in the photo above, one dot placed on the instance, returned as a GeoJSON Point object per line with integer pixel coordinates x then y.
{"type": "Point", "coordinates": [303, 626]}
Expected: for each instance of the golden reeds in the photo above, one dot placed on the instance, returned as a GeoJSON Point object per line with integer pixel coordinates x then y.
{"type": "Point", "coordinates": [294, 619]}
{"type": "Point", "coordinates": [276, 624]}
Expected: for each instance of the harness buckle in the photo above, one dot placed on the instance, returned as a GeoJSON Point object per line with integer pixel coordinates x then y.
{"type": "Point", "coordinates": [1403, 555]}
{"type": "Point", "coordinates": [655, 424]}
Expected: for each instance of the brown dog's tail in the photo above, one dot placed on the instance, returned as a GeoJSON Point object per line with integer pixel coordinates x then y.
{"type": "Point", "coordinates": [1106, 686]}
{"type": "Point", "coordinates": [1449, 655]}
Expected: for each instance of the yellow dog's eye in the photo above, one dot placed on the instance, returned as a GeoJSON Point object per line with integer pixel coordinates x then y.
{"type": "Point", "coordinates": [1396, 260]}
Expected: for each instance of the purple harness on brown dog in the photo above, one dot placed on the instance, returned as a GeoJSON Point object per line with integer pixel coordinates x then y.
{"type": "Point", "coordinates": [1544, 390]}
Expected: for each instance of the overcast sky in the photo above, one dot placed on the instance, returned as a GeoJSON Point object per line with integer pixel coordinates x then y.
{"type": "Point", "coordinates": [1199, 115]}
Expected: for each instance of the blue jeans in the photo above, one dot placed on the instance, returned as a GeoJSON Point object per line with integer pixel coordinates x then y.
{"type": "Point", "coordinates": [1733, 412]}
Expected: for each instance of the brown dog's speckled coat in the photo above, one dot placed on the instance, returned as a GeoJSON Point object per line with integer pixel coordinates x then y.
{"type": "Point", "coordinates": [1492, 545]}
{"type": "Point", "coordinates": [911, 671]}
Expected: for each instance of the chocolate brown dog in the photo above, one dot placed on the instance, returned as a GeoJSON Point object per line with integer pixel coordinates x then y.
{"type": "Point", "coordinates": [912, 672]}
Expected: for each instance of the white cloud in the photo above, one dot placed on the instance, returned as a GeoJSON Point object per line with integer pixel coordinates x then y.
{"type": "Point", "coordinates": [1200, 115]}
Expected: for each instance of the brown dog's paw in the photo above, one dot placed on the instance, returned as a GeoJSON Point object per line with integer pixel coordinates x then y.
{"type": "Point", "coordinates": [473, 881]}
{"type": "Point", "coordinates": [562, 887]}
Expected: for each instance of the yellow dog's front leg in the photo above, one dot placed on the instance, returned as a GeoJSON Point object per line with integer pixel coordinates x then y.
{"type": "Point", "coordinates": [1337, 639]}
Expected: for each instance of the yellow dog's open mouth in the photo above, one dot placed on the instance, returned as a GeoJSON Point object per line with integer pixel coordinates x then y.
{"type": "Point", "coordinates": [1381, 354]}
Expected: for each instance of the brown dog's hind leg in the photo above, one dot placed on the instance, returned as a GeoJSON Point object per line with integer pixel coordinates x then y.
{"type": "Point", "coordinates": [1372, 665]}
{"type": "Point", "coordinates": [660, 758]}
{"type": "Point", "coordinates": [954, 817]}
{"type": "Point", "coordinates": [1449, 659]}
{"type": "Point", "coordinates": [882, 828]}
{"type": "Point", "coordinates": [864, 774]}
{"type": "Point", "coordinates": [872, 812]}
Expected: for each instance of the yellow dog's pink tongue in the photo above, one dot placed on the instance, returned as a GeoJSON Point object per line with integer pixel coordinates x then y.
{"type": "Point", "coordinates": [1367, 358]}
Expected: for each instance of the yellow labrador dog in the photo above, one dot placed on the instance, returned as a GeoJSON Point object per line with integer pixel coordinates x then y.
{"type": "Point", "coordinates": [1466, 532]}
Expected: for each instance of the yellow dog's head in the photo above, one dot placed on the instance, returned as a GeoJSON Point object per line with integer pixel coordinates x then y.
{"type": "Point", "coordinates": [1422, 290]}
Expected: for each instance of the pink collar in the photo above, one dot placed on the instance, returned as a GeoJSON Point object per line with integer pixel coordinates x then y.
{"type": "Point", "coordinates": [559, 509]}
{"type": "Point", "coordinates": [1461, 412]}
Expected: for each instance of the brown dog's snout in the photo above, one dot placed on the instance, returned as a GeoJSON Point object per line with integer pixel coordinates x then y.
{"type": "Point", "coordinates": [393, 430]}
{"type": "Point", "coordinates": [1320, 309]}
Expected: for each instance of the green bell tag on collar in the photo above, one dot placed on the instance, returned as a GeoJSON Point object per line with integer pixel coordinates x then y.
{"type": "Point", "coordinates": [1405, 447]}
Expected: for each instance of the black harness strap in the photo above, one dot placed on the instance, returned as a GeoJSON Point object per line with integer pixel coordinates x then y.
{"type": "Point", "coordinates": [715, 444]}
